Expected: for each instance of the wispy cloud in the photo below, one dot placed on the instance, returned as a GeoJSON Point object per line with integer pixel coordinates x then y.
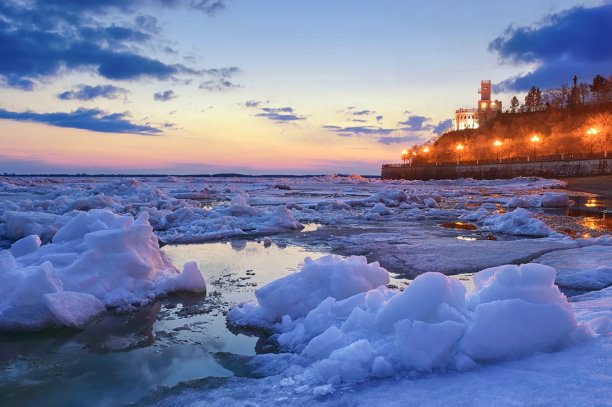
{"type": "Point", "coordinates": [406, 140]}
{"type": "Point", "coordinates": [358, 130]}
{"type": "Point", "coordinates": [87, 92]}
{"type": "Point", "coordinates": [280, 114]}
{"type": "Point", "coordinates": [219, 85]}
{"type": "Point", "coordinates": [85, 119]}
{"type": "Point", "coordinates": [164, 96]}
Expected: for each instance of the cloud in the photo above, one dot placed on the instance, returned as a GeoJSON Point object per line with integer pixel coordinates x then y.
{"type": "Point", "coordinates": [416, 123]}
{"type": "Point", "coordinates": [572, 42]}
{"type": "Point", "coordinates": [85, 119]}
{"type": "Point", "coordinates": [164, 96]}
{"type": "Point", "coordinates": [226, 72]}
{"type": "Point", "coordinates": [409, 139]}
{"type": "Point", "coordinates": [252, 103]}
{"type": "Point", "coordinates": [87, 92]}
{"type": "Point", "coordinates": [363, 112]}
{"type": "Point", "coordinates": [443, 126]}
{"type": "Point", "coordinates": [41, 38]}
{"type": "Point", "coordinates": [359, 130]}
{"type": "Point", "coordinates": [280, 114]}
{"type": "Point", "coordinates": [414, 129]}
{"type": "Point", "coordinates": [218, 85]}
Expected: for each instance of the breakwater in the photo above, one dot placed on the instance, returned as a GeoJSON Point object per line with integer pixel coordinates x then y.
{"type": "Point", "coordinates": [496, 170]}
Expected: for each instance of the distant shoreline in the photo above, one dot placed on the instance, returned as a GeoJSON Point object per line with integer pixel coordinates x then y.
{"type": "Point", "coordinates": [221, 175]}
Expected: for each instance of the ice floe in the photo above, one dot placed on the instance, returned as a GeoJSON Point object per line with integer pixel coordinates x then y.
{"type": "Point", "coordinates": [366, 330]}
{"type": "Point", "coordinates": [96, 260]}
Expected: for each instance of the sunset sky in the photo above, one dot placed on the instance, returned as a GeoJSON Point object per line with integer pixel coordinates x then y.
{"type": "Point", "coordinates": [268, 87]}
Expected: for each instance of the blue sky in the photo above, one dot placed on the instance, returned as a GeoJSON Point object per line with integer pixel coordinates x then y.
{"type": "Point", "coordinates": [268, 86]}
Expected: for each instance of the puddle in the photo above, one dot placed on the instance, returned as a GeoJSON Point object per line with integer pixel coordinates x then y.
{"type": "Point", "coordinates": [458, 225]}
{"type": "Point", "coordinates": [591, 215]}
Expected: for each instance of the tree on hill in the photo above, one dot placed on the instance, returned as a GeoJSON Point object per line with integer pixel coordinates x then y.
{"type": "Point", "coordinates": [529, 99]}
{"type": "Point", "coordinates": [514, 104]}
{"type": "Point", "coordinates": [600, 87]}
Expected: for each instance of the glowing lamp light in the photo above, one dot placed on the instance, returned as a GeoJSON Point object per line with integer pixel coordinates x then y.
{"type": "Point", "coordinates": [497, 144]}
{"type": "Point", "coordinates": [459, 147]}
{"type": "Point", "coordinates": [592, 131]}
{"type": "Point", "coordinates": [426, 150]}
{"type": "Point", "coordinates": [535, 139]}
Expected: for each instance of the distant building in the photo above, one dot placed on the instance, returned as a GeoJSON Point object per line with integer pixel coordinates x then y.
{"type": "Point", "coordinates": [487, 109]}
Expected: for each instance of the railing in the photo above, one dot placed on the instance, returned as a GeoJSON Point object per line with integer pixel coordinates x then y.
{"type": "Point", "coordinates": [510, 160]}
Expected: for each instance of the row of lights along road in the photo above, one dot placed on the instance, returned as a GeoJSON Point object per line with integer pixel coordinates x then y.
{"type": "Point", "coordinates": [535, 139]}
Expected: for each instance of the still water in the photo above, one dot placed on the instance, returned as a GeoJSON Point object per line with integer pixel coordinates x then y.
{"type": "Point", "coordinates": [122, 358]}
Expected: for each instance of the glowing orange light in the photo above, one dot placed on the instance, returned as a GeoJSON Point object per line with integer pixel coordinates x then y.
{"type": "Point", "coordinates": [535, 138]}
{"type": "Point", "coordinates": [497, 143]}
{"type": "Point", "coordinates": [459, 147]}
{"type": "Point", "coordinates": [592, 131]}
{"type": "Point", "coordinates": [426, 150]}
{"type": "Point", "coordinates": [404, 152]}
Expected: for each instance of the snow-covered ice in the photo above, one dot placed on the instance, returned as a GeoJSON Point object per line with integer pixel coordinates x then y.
{"type": "Point", "coordinates": [77, 247]}
{"type": "Point", "coordinates": [97, 260]}
{"type": "Point", "coordinates": [362, 329]}
{"type": "Point", "coordinates": [584, 268]}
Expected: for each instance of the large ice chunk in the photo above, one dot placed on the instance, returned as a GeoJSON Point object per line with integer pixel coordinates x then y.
{"type": "Point", "coordinates": [517, 222]}
{"type": "Point", "coordinates": [97, 260]}
{"type": "Point", "coordinates": [346, 327]}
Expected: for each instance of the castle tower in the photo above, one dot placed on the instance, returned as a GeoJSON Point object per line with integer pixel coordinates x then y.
{"type": "Point", "coordinates": [485, 111]}
{"type": "Point", "coordinates": [485, 90]}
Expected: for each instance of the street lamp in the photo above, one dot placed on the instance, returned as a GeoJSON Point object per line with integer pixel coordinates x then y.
{"type": "Point", "coordinates": [459, 149]}
{"type": "Point", "coordinates": [535, 139]}
{"type": "Point", "coordinates": [405, 156]}
{"type": "Point", "coordinates": [592, 132]}
{"type": "Point", "coordinates": [497, 144]}
{"type": "Point", "coordinates": [426, 152]}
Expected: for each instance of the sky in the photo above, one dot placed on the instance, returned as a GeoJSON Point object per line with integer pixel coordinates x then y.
{"type": "Point", "coordinates": [268, 87]}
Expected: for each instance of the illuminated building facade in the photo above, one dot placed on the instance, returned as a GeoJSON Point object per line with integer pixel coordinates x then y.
{"type": "Point", "coordinates": [487, 110]}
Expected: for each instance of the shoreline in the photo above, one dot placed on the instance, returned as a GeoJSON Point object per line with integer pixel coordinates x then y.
{"type": "Point", "coordinates": [599, 185]}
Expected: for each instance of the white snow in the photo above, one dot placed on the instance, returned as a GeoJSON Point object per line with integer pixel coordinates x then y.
{"type": "Point", "coordinates": [545, 200]}
{"type": "Point", "coordinates": [366, 330]}
{"type": "Point", "coordinates": [584, 268]}
{"type": "Point", "coordinates": [97, 260]}
{"type": "Point", "coordinates": [517, 222]}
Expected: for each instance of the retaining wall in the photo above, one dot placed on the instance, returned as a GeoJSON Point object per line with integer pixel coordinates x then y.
{"type": "Point", "coordinates": [546, 169]}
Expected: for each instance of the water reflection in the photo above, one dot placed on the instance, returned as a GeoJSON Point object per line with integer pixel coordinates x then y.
{"type": "Point", "coordinates": [595, 214]}
{"type": "Point", "coordinates": [122, 358]}
{"type": "Point", "coordinates": [458, 225]}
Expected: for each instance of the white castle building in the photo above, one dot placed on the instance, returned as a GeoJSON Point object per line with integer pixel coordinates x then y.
{"type": "Point", "coordinates": [487, 109]}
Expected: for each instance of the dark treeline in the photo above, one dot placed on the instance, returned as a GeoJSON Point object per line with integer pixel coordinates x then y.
{"type": "Point", "coordinates": [573, 119]}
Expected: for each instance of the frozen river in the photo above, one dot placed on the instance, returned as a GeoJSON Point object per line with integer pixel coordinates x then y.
{"type": "Point", "coordinates": [159, 343]}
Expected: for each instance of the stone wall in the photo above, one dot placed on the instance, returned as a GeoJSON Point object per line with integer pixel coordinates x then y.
{"type": "Point", "coordinates": [547, 169]}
